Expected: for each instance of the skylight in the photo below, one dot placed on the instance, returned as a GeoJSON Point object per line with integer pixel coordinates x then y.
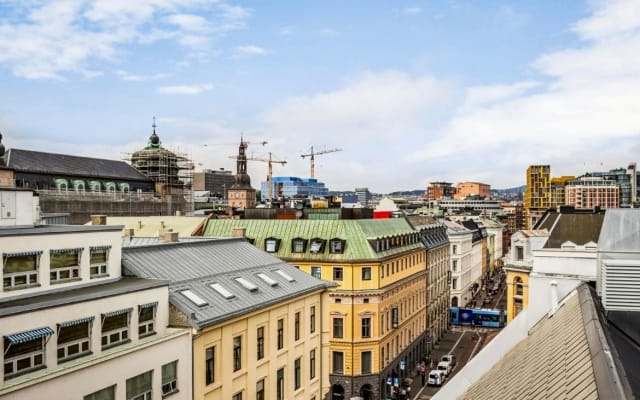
{"type": "Point", "coordinates": [284, 275]}
{"type": "Point", "coordinates": [195, 299]}
{"type": "Point", "coordinates": [222, 291]}
{"type": "Point", "coordinates": [250, 286]}
{"type": "Point", "coordinates": [267, 279]}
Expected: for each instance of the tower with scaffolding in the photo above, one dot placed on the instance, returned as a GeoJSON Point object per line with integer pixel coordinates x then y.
{"type": "Point", "coordinates": [172, 173]}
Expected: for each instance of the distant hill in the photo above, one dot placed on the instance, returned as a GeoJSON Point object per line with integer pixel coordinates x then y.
{"type": "Point", "coordinates": [515, 193]}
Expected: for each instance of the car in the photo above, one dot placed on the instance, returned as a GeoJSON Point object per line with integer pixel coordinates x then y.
{"type": "Point", "coordinates": [445, 367]}
{"type": "Point", "coordinates": [449, 358]}
{"type": "Point", "coordinates": [435, 378]}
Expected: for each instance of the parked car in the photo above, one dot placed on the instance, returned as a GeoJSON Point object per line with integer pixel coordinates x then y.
{"type": "Point", "coordinates": [445, 367]}
{"type": "Point", "coordinates": [436, 378]}
{"type": "Point", "coordinates": [449, 358]}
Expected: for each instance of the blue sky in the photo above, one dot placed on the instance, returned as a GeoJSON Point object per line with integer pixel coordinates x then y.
{"type": "Point", "coordinates": [413, 92]}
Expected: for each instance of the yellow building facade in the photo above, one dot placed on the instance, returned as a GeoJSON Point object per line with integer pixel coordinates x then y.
{"type": "Point", "coordinates": [537, 195]}
{"type": "Point", "coordinates": [517, 290]}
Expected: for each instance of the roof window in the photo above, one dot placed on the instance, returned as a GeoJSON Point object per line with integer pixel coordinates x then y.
{"type": "Point", "coordinates": [222, 291]}
{"type": "Point", "coordinates": [284, 275]}
{"type": "Point", "coordinates": [250, 286]}
{"type": "Point", "coordinates": [267, 279]}
{"type": "Point", "coordinates": [195, 299]}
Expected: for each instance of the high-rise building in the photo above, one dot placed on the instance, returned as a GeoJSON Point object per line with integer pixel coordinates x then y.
{"type": "Point", "coordinates": [592, 191]}
{"type": "Point", "coordinates": [465, 189]}
{"type": "Point", "coordinates": [215, 181]}
{"type": "Point", "coordinates": [291, 186]}
{"type": "Point", "coordinates": [364, 196]}
{"type": "Point", "coordinates": [436, 190]}
{"type": "Point", "coordinates": [537, 196]}
{"type": "Point", "coordinates": [557, 190]}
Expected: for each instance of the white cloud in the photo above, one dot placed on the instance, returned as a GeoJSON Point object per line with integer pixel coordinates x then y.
{"type": "Point", "coordinates": [412, 10]}
{"type": "Point", "coordinates": [185, 89]}
{"type": "Point", "coordinates": [49, 40]}
{"type": "Point", "coordinates": [126, 76]}
{"type": "Point", "coordinates": [245, 51]}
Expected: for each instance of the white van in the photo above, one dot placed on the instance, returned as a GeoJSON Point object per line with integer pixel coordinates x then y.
{"type": "Point", "coordinates": [435, 378]}
{"type": "Point", "coordinates": [449, 358]}
{"type": "Point", "coordinates": [445, 367]}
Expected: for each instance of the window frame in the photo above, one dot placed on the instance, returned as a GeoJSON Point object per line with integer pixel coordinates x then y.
{"type": "Point", "coordinates": [297, 373]}
{"type": "Point", "coordinates": [337, 246]}
{"type": "Point", "coordinates": [335, 355]}
{"type": "Point", "coordinates": [101, 267]}
{"type": "Point", "coordinates": [280, 333]}
{"type": "Point", "coordinates": [260, 389]}
{"type": "Point", "coordinates": [237, 353]}
{"type": "Point", "coordinates": [272, 240]}
{"type": "Point", "coordinates": [366, 368]}
{"type": "Point", "coordinates": [148, 325]}
{"type": "Point", "coordinates": [338, 273]}
{"type": "Point", "coordinates": [144, 395]}
{"type": "Point", "coordinates": [337, 328]}
{"type": "Point", "coordinates": [365, 273]}
{"type": "Point", "coordinates": [260, 343]}
{"type": "Point", "coordinates": [321, 244]}
{"type": "Point", "coordinates": [280, 384]}
{"type": "Point", "coordinates": [312, 319]}
{"type": "Point", "coordinates": [296, 326]}
{"type": "Point", "coordinates": [72, 270]}
{"type": "Point", "coordinates": [295, 242]}
{"type": "Point", "coordinates": [124, 332]}
{"type": "Point", "coordinates": [365, 330]}
{"type": "Point", "coordinates": [318, 269]}
{"type": "Point", "coordinates": [80, 342]}
{"type": "Point", "coordinates": [312, 364]}
{"type": "Point", "coordinates": [31, 276]}
{"type": "Point", "coordinates": [210, 365]}
{"type": "Point", "coordinates": [172, 384]}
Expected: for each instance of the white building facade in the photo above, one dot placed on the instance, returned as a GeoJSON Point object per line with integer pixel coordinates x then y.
{"type": "Point", "coordinates": [73, 327]}
{"type": "Point", "coordinates": [465, 266]}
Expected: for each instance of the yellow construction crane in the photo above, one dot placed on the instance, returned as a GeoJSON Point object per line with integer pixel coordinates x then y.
{"type": "Point", "coordinates": [312, 155]}
{"type": "Point", "coordinates": [270, 161]}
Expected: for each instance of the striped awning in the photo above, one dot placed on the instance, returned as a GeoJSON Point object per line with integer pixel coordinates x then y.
{"type": "Point", "coordinates": [29, 335]}
{"type": "Point", "coordinates": [105, 247]}
{"type": "Point", "coordinates": [69, 250]}
{"type": "Point", "coordinates": [76, 322]}
{"type": "Point", "coordinates": [23, 253]}
{"type": "Point", "coordinates": [117, 312]}
{"type": "Point", "coordinates": [148, 305]}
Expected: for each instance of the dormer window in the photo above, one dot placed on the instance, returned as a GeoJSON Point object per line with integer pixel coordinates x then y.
{"type": "Point", "coordinates": [271, 245]}
{"type": "Point", "coordinates": [337, 246]}
{"type": "Point", "coordinates": [317, 245]}
{"type": "Point", "coordinates": [298, 245]}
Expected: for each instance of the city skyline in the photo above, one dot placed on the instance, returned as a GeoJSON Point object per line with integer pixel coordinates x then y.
{"type": "Point", "coordinates": [413, 92]}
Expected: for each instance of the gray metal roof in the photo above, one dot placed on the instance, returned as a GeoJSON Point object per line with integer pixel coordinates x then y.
{"type": "Point", "coordinates": [197, 264]}
{"type": "Point", "coordinates": [49, 229]}
{"type": "Point", "coordinates": [63, 164]}
{"type": "Point", "coordinates": [137, 241]}
{"type": "Point", "coordinates": [77, 294]}
{"type": "Point", "coordinates": [620, 231]}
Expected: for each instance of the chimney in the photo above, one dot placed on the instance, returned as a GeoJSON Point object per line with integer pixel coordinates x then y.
{"type": "Point", "coordinates": [178, 213]}
{"type": "Point", "coordinates": [164, 231]}
{"type": "Point", "coordinates": [170, 237]}
{"type": "Point", "coordinates": [129, 232]}
{"type": "Point", "coordinates": [239, 232]}
{"type": "Point", "coordinates": [554, 296]}
{"type": "Point", "coordinates": [139, 224]}
{"type": "Point", "coordinates": [162, 224]}
{"type": "Point", "coordinates": [98, 219]}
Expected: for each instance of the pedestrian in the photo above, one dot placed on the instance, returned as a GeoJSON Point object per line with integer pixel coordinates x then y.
{"type": "Point", "coordinates": [408, 392]}
{"type": "Point", "coordinates": [423, 372]}
{"type": "Point", "coordinates": [417, 368]}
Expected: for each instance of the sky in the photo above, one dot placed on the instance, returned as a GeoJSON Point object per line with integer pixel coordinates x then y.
{"type": "Point", "coordinates": [411, 92]}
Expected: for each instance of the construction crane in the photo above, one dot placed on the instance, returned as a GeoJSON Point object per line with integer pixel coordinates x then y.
{"type": "Point", "coordinates": [270, 161]}
{"type": "Point", "coordinates": [233, 144]}
{"type": "Point", "coordinates": [312, 155]}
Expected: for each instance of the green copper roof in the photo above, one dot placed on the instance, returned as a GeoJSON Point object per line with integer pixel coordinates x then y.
{"type": "Point", "coordinates": [356, 233]}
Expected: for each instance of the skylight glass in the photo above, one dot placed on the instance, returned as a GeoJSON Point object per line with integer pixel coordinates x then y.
{"type": "Point", "coordinates": [222, 291]}
{"type": "Point", "coordinates": [315, 247]}
{"type": "Point", "coordinates": [247, 285]}
{"type": "Point", "coordinates": [267, 279]}
{"type": "Point", "coordinates": [195, 299]}
{"type": "Point", "coordinates": [284, 275]}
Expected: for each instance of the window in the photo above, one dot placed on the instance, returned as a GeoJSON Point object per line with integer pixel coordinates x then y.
{"type": "Point", "coordinates": [338, 327]}
{"type": "Point", "coordinates": [98, 261]}
{"type": "Point", "coordinates": [139, 387]}
{"type": "Point", "coordinates": [260, 343]}
{"type": "Point", "coordinates": [108, 393]}
{"type": "Point", "coordinates": [519, 289]}
{"type": "Point", "coordinates": [519, 253]}
{"type": "Point", "coordinates": [25, 351]}
{"type": "Point", "coordinates": [280, 384]}
{"type": "Point", "coordinates": [20, 269]}
{"type": "Point", "coordinates": [365, 362]}
{"type": "Point", "coordinates": [317, 245]}
{"type": "Point", "coordinates": [237, 396]}
{"type": "Point", "coordinates": [454, 283]}
{"type": "Point", "coordinates": [64, 265]}
{"type": "Point", "coordinates": [338, 362]}
{"type": "Point", "coordinates": [316, 272]}
{"type": "Point", "coordinates": [337, 273]}
{"type": "Point", "coordinates": [366, 327]}
{"type": "Point", "coordinates": [366, 273]}
{"type": "Point", "coordinates": [271, 245]}
{"type": "Point", "coordinates": [146, 319]}
{"type": "Point", "coordinates": [337, 246]}
{"type": "Point", "coordinates": [115, 328]}
{"type": "Point", "coordinates": [298, 245]}
{"type": "Point", "coordinates": [280, 334]}
{"type": "Point", "coordinates": [74, 339]}
{"type": "Point", "coordinates": [296, 326]}
{"type": "Point", "coordinates": [312, 319]}
{"type": "Point", "coordinates": [210, 362]}
{"type": "Point", "coordinates": [237, 353]}
{"type": "Point", "coordinates": [296, 374]}
{"type": "Point", "coordinates": [454, 249]}
{"type": "Point", "coordinates": [312, 364]}
{"type": "Point", "coordinates": [455, 265]}
{"type": "Point", "coordinates": [260, 390]}
{"type": "Point", "coordinates": [394, 317]}
{"type": "Point", "coordinates": [169, 378]}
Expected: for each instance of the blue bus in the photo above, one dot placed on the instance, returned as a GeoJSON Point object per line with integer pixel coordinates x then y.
{"type": "Point", "coordinates": [478, 317]}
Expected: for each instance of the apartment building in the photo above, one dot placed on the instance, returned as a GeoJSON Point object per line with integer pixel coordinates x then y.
{"type": "Point", "coordinates": [464, 274]}
{"type": "Point", "coordinates": [465, 189]}
{"type": "Point", "coordinates": [260, 325]}
{"type": "Point", "coordinates": [537, 196]}
{"type": "Point", "coordinates": [592, 191]}
{"type": "Point", "coordinates": [73, 326]}
{"type": "Point", "coordinates": [377, 311]}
